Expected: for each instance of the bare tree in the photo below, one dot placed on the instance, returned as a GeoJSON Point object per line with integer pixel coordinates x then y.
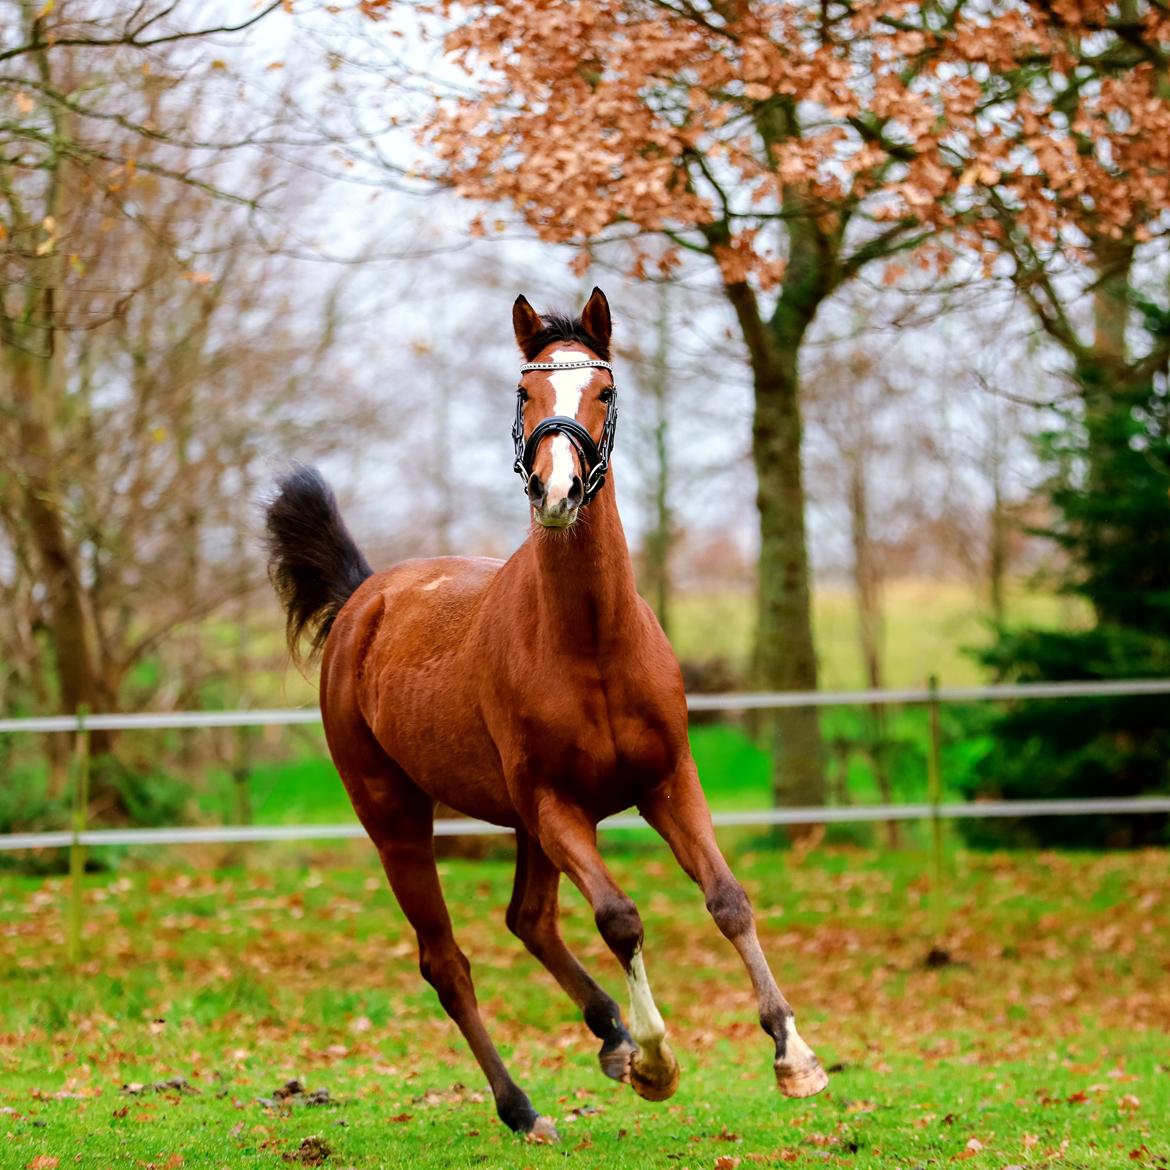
{"type": "Point", "coordinates": [149, 353]}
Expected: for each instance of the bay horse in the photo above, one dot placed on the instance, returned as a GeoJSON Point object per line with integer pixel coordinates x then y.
{"type": "Point", "coordinates": [538, 693]}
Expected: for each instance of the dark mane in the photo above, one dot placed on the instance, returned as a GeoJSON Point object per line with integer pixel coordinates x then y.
{"type": "Point", "coordinates": [560, 327]}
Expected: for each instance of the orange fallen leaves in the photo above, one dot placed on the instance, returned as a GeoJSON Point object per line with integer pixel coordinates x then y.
{"type": "Point", "coordinates": [973, 1146]}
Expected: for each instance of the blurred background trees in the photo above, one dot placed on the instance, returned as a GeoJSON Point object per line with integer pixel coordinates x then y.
{"type": "Point", "coordinates": [150, 354]}
{"type": "Point", "coordinates": [796, 147]}
{"type": "Point", "coordinates": [889, 281]}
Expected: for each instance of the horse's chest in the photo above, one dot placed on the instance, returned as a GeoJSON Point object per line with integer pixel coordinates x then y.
{"type": "Point", "coordinates": [600, 746]}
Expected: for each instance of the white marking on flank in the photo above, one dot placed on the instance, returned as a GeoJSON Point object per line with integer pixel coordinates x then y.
{"type": "Point", "coordinates": [568, 385]}
{"type": "Point", "coordinates": [435, 583]}
{"type": "Point", "coordinates": [646, 1025]}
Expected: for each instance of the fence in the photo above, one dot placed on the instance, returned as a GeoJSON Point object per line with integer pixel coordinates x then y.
{"type": "Point", "coordinates": [78, 837]}
{"type": "Point", "coordinates": [932, 696]}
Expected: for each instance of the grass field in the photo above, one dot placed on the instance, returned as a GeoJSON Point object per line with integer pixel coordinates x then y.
{"type": "Point", "coordinates": [930, 626]}
{"type": "Point", "coordinates": [1043, 1043]}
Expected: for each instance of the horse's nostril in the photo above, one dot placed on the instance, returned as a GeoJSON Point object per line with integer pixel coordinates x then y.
{"type": "Point", "coordinates": [576, 492]}
{"type": "Point", "coordinates": [535, 489]}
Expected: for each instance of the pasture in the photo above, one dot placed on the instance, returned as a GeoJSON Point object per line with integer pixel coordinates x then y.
{"type": "Point", "coordinates": [1042, 1042]}
{"type": "Point", "coordinates": [930, 627]}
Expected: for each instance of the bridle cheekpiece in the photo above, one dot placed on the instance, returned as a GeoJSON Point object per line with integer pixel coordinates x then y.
{"type": "Point", "coordinates": [594, 456]}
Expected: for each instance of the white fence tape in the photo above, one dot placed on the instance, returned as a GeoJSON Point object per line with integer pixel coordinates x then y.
{"type": "Point", "coordinates": [168, 720]}
{"type": "Point", "coordinates": [1046, 690]}
{"type": "Point", "coordinates": [162, 720]}
{"type": "Point", "coordinates": [227, 834]}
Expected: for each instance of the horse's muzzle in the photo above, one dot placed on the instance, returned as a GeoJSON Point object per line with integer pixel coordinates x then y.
{"type": "Point", "coordinates": [559, 512]}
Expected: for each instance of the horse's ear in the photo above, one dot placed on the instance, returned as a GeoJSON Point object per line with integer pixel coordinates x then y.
{"type": "Point", "coordinates": [595, 316]}
{"type": "Point", "coordinates": [526, 323]}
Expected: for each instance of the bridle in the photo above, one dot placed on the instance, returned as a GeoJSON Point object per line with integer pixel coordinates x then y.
{"type": "Point", "coordinates": [594, 456]}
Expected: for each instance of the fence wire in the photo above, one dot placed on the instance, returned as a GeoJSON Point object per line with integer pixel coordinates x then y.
{"type": "Point", "coordinates": [741, 701]}
{"type": "Point", "coordinates": [821, 814]}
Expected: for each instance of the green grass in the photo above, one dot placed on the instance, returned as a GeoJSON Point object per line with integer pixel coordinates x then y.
{"type": "Point", "coordinates": [929, 627]}
{"type": "Point", "coordinates": [1044, 1042]}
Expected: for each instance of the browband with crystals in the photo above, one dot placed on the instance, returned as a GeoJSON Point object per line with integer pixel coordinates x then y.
{"type": "Point", "coordinates": [567, 365]}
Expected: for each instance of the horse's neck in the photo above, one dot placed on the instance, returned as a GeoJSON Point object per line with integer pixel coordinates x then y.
{"type": "Point", "coordinates": [584, 578]}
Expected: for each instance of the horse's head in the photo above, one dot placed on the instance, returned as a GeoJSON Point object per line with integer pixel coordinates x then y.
{"type": "Point", "coordinates": [565, 417]}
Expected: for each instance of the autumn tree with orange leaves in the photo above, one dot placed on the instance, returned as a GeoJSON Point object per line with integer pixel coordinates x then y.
{"type": "Point", "coordinates": [794, 146]}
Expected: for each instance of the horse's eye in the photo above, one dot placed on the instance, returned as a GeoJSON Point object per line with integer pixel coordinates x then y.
{"type": "Point", "coordinates": [523, 393]}
{"type": "Point", "coordinates": [607, 394]}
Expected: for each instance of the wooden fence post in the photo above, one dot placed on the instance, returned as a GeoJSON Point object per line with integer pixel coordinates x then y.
{"type": "Point", "coordinates": [77, 849]}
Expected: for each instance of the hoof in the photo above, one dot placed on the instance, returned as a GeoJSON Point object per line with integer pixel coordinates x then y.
{"type": "Point", "coordinates": [655, 1077]}
{"type": "Point", "coordinates": [615, 1061]}
{"type": "Point", "coordinates": [805, 1081]}
{"type": "Point", "coordinates": [543, 1132]}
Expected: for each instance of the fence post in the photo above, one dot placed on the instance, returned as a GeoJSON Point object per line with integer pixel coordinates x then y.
{"type": "Point", "coordinates": [77, 849]}
{"type": "Point", "coordinates": [934, 796]}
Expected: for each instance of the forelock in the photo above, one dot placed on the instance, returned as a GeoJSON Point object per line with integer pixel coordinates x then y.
{"type": "Point", "coordinates": [561, 327]}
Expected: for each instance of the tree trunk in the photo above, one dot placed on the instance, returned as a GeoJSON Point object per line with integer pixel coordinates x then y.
{"type": "Point", "coordinates": [867, 588]}
{"type": "Point", "coordinates": [785, 659]}
{"type": "Point", "coordinates": [784, 656]}
{"type": "Point", "coordinates": [659, 538]}
{"type": "Point", "coordinates": [997, 551]}
{"type": "Point", "coordinates": [32, 363]}
{"type": "Point", "coordinates": [68, 622]}
{"type": "Point", "coordinates": [1105, 372]}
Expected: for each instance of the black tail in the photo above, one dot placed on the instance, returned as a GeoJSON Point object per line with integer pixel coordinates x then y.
{"type": "Point", "coordinates": [313, 561]}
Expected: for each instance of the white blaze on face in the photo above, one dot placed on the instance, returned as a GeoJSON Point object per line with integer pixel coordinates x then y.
{"type": "Point", "coordinates": [646, 1024]}
{"type": "Point", "coordinates": [568, 385]}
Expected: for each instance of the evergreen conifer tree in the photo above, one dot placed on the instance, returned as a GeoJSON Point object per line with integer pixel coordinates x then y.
{"type": "Point", "coordinates": [1110, 493]}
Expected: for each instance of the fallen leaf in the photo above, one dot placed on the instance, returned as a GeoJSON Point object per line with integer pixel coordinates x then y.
{"type": "Point", "coordinates": [311, 1152]}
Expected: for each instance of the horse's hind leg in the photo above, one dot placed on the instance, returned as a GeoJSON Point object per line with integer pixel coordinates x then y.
{"type": "Point", "coordinates": [533, 917]}
{"type": "Point", "coordinates": [569, 839]}
{"type": "Point", "coordinates": [678, 810]}
{"type": "Point", "coordinates": [403, 835]}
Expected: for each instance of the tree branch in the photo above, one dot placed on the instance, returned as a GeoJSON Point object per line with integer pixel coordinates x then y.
{"type": "Point", "coordinates": [132, 37]}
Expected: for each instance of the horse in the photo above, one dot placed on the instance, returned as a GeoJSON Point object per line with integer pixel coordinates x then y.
{"type": "Point", "coordinates": [537, 693]}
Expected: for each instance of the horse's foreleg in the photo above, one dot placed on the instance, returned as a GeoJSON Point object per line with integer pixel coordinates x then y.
{"type": "Point", "coordinates": [678, 810]}
{"type": "Point", "coordinates": [409, 860]}
{"type": "Point", "coordinates": [533, 916]}
{"type": "Point", "coordinates": [569, 839]}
